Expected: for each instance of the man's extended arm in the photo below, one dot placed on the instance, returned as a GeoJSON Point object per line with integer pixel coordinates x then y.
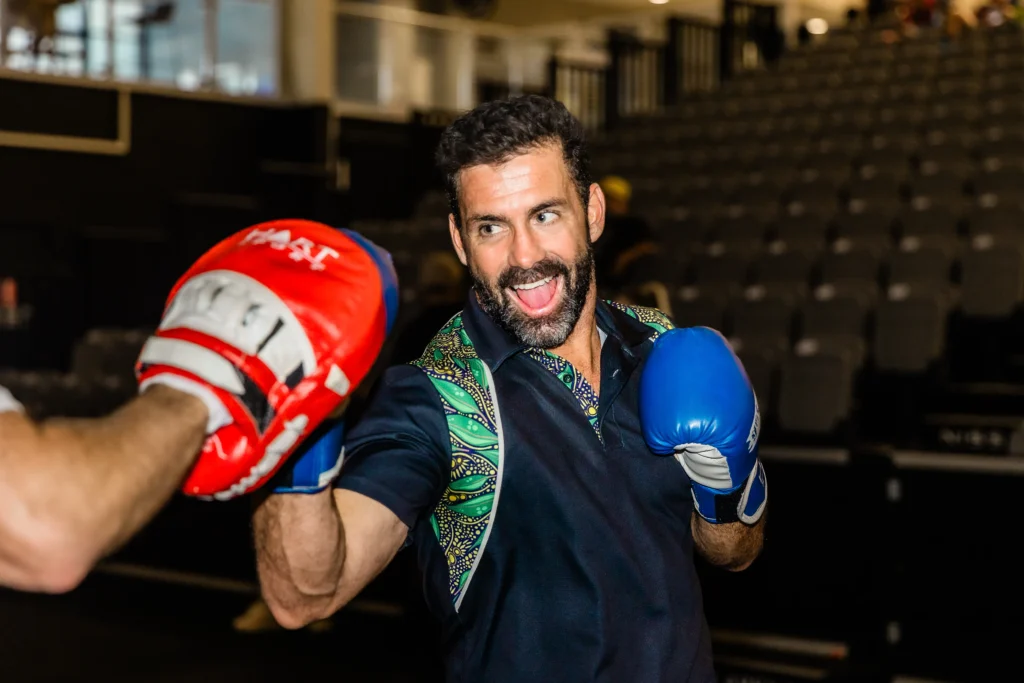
{"type": "Point", "coordinates": [72, 491]}
{"type": "Point", "coordinates": [317, 552]}
{"type": "Point", "coordinates": [732, 546]}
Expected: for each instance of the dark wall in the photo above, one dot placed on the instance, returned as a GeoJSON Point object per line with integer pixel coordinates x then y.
{"type": "Point", "coordinates": [392, 165]}
{"type": "Point", "coordinates": [98, 240]}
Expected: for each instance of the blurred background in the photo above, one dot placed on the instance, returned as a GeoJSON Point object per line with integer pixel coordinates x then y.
{"type": "Point", "coordinates": [836, 186]}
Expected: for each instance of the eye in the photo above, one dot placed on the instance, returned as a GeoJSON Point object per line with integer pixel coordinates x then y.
{"type": "Point", "coordinates": [546, 216]}
{"type": "Point", "coordinates": [489, 229]}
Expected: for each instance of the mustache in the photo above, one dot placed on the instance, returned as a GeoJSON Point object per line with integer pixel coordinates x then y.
{"type": "Point", "coordinates": [548, 267]}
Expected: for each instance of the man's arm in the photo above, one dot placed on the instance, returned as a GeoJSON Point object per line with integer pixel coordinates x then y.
{"type": "Point", "coordinates": [72, 491]}
{"type": "Point", "coordinates": [317, 552]}
{"type": "Point", "coordinates": [732, 546]}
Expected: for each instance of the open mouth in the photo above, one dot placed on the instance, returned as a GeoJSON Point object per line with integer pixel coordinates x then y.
{"type": "Point", "coordinates": [540, 297]}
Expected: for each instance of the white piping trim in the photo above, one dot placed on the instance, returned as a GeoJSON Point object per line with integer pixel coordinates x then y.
{"type": "Point", "coordinates": [191, 357]}
{"type": "Point", "coordinates": [497, 485]}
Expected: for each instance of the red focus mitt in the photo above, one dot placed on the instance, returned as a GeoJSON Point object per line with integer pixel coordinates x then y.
{"type": "Point", "coordinates": [273, 328]}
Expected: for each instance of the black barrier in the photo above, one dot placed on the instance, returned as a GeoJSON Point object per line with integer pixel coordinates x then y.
{"type": "Point", "coordinates": [691, 58]}
{"type": "Point", "coordinates": [645, 77]}
{"type": "Point", "coordinates": [750, 37]}
{"type": "Point", "coordinates": [584, 88]}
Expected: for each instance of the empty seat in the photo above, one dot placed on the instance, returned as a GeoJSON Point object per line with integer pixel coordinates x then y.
{"type": "Point", "coordinates": [996, 220]}
{"type": "Point", "coordinates": [107, 353]}
{"type": "Point", "coordinates": [785, 264]}
{"type": "Point", "coordinates": [926, 219]}
{"type": "Point", "coordinates": [816, 387]}
{"type": "Point", "coordinates": [947, 151]}
{"type": "Point", "coordinates": [758, 317]}
{"type": "Point", "coordinates": [936, 182]}
{"type": "Point", "coordinates": [818, 196]}
{"type": "Point", "coordinates": [876, 186]}
{"type": "Point", "coordinates": [738, 229]}
{"type": "Point", "coordinates": [889, 152]}
{"type": "Point", "coordinates": [910, 328]}
{"type": "Point", "coordinates": [1005, 143]}
{"type": "Point", "coordinates": [835, 311]}
{"type": "Point", "coordinates": [850, 260]}
{"type": "Point", "coordinates": [922, 261]}
{"type": "Point", "coordinates": [761, 365]}
{"type": "Point", "coordinates": [721, 268]}
{"type": "Point", "coordinates": [860, 224]}
{"type": "Point", "coordinates": [1000, 180]}
{"type": "Point", "coordinates": [992, 276]}
{"type": "Point", "coordinates": [797, 225]}
{"type": "Point", "coordinates": [695, 306]}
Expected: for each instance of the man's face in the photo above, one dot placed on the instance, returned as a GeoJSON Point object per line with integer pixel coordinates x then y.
{"type": "Point", "coordinates": [526, 239]}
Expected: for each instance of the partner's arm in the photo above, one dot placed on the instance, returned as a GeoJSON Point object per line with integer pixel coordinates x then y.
{"type": "Point", "coordinates": [72, 491]}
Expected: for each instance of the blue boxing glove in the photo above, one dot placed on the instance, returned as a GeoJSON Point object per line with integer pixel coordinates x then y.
{"type": "Point", "coordinates": [697, 403]}
{"type": "Point", "coordinates": [315, 466]}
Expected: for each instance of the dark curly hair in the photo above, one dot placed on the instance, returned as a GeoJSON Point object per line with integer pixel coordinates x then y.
{"type": "Point", "coordinates": [496, 131]}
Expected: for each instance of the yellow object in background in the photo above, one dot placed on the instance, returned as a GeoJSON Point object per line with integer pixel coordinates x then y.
{"type": "Point", "coordinates": [616, 187]}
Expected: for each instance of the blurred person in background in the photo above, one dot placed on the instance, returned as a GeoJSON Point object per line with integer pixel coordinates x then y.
{"type": "Point", "coordinates": [627, 237]}
{"type": "Point", "coordinates": [522, 454]}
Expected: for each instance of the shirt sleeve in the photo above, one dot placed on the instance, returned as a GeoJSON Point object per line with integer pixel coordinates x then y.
{"type": "Point", "coordinates": [398, 452]}
{"type": "Point", "coordinates": [7, 402]}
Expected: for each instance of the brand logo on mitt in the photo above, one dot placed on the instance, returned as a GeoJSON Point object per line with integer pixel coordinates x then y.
{"type": "Point", "coordinates": [301, 249]}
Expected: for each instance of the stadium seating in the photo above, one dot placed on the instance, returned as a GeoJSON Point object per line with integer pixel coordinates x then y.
{"type": "Point", "coordinates": [870, 192]}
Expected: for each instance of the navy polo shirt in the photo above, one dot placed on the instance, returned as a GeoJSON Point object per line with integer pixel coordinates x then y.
{"type": "Point", "coordinates": [587, 573]}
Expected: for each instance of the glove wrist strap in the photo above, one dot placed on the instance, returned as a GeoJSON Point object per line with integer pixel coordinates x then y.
{"type": "Point", "coordinates": [744, 503]}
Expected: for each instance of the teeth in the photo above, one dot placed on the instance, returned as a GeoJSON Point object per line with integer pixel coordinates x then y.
{"type": "Point", "coordinates": [535, 285]}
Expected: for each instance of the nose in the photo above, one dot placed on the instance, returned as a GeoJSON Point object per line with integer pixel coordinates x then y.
{"type": "Point", "coordinates": [526, 248]}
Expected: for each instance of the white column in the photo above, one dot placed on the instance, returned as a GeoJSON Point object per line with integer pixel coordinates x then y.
{"type": "Point", "coordinates": [308, 54]}
{"type": "Point", "coordinates": [403, 78]}
{"type": "Point", "coordinates": [458, 71]}
{"type": "Point", "coordinates": [208, 69]}
{"type": "Point", "coordinates": [110, 70]}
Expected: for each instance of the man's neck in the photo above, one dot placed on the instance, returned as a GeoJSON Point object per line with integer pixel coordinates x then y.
{"type": "Point", "coordinates": [583, 346]}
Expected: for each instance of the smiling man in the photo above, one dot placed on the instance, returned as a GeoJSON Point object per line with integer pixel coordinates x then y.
{"type": "Point", "coordinates": [523, 455]}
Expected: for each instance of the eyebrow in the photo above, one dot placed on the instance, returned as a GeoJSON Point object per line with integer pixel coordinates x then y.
{"type": "Point", "coordinates": [495, 218]}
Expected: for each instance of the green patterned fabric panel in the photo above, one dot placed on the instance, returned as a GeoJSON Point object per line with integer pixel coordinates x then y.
{"type": "Point", "coordinates": [651, 317]}
{"type": "Point", "coordinates": [574, 381]}
{"type": "Point", "coordinates": [461, 519]}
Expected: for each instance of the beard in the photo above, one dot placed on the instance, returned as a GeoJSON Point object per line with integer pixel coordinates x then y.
{"type": "Point", "coordinates": [551, 330]}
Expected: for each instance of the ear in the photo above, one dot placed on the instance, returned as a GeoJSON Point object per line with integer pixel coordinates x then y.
{"type": "Point", "coordinates": [460, 249]}
{"type": "Point", "coordinates": [596, 212]}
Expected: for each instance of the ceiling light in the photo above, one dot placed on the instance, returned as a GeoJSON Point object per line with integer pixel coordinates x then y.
{"type": "Point", "coordinates": [817, 27]}
{"type": "Point", "coordinates": [658, 2]}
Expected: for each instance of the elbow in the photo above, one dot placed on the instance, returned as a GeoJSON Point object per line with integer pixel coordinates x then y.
{"type": "Point", "coordinates": [742, 559]}
{"type": "Point", "coordinates": [50, 561]}
{"type": "Point", "coordinates": [295, 615]}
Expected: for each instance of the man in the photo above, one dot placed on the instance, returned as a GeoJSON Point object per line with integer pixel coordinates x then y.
{"type": "Point", "coordinates": [247, 359]}
{"type": "Point", "coordinates": [555, 545]}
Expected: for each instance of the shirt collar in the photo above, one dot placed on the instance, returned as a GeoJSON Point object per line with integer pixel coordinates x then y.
{"type": "Point", "coordinates": [494, 345]}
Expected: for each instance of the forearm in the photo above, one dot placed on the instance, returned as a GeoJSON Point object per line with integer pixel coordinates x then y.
{"type": "Point", "coordinates": [300, 553]}
{"type": "Point", "coordinates": [732, 546]}
{"type": "Point", "coordinates": [75, 490]}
